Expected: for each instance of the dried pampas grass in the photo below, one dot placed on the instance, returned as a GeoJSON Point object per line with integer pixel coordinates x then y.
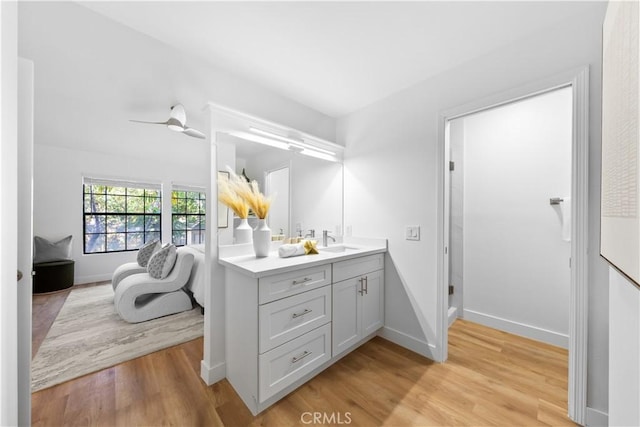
{"type": "Point", "coordinates": [242, 193]}
{"type": "Point", "coordinates": [230, 198]}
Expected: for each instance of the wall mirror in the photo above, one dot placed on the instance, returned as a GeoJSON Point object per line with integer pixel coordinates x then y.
{"type": "Point", "coordinates": [307, 191]}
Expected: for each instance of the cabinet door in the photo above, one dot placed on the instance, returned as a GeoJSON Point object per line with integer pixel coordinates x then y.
{"type": "Point", "coordinates": [346, 315]}
{"type": "Point", "coordinates": [373, 303]}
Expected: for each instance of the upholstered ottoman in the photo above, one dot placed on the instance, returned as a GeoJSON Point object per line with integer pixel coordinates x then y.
{"type": "Point", "coordinates": [52, 276]}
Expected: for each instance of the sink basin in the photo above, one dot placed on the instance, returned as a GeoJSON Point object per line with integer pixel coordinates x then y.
{"type": "Point", "coordinates": [338, 249]}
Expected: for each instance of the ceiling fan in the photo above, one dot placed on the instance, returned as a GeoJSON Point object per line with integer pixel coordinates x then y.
{"type": "Point", "coordinates": [177, 122]}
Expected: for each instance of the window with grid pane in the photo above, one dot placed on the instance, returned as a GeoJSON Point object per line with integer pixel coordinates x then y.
{"type": "Point", "coordinates": [120, 216]}
{"type": "Point", "coordinates": [188, 216]}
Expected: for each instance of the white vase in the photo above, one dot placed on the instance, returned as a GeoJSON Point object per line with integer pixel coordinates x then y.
{"type": "Point", "coordinates": [262, 239]}
{"type": "Point", "coordinates": [243, 232]}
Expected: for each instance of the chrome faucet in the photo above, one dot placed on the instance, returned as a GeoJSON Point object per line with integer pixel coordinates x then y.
{"type": "Point", "coordinates": [326, 237]}
{"type": "Point", "coordinates": [311, 233]}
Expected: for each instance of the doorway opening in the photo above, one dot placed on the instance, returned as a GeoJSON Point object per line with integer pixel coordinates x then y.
{"type": "Point", "coordinates": [510, 216]}
{"type": "Point", "coordinates": [578, 82]}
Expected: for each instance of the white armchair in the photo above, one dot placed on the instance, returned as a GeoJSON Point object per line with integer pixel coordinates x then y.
{"type": "Point", "coordinates": [124, 271]}
{"type": "Point", "coordinates": [140, 297]}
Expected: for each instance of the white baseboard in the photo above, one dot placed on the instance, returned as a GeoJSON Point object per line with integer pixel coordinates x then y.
{"type": "Point", "coordinates": [452, 314]}
{"type": "Point", "coordinates": [414, 344]}
{"type": "Point", "coordinates": [211, 375]}
{"type": "Point", "coordinates": [533, 332]}
{"type": "Point", "coordinates": [81, 280]}
{"type": "Point", "coordinates": [596, 418]}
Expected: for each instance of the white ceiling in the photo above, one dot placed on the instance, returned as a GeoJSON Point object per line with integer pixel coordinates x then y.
{"type": "Point", "coordinates": [337, 57]}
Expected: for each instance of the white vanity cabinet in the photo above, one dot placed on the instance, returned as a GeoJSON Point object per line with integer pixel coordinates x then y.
{"type": "Point", "coordinates": [278, 331]}
{"type": "Point", "coordinates": [358, 300]}
{"type": "Point", "coordinates": [282, 323]}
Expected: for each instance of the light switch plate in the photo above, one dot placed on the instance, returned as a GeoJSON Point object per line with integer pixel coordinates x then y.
{"type": "Point", "coordinates": [412, 232]}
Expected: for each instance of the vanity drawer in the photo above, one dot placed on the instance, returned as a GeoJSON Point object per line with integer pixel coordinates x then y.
{"type": "Point", "coordinates": [286, 364]}
{"type": "Point", "coordinates": [355, 267]}
{"type": "Point", "coordinates": [288, 318]}
{"type": "Point", "coordinates": [286, 284]}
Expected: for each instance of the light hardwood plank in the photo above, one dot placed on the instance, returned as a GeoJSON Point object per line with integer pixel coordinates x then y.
{"type": "Point", "coordinates": [491, 378]}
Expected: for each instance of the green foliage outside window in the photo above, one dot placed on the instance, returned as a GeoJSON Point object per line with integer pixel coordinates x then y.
{"type": "Point", "coordinates": [188, 210]}
{"type": "Point", "coordinates": [120, 218]}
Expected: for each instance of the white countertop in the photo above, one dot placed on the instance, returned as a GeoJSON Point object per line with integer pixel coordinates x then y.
{"type": "Point", "coordinates": [260, 267]}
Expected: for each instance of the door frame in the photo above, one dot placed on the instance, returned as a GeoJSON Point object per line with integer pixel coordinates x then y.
{"type": "Point", "coordinates": [10, 375]}
{"type": "Point", "coordinates": [288, 165]}
{"type": "Point", "coordinates": [578, 80]}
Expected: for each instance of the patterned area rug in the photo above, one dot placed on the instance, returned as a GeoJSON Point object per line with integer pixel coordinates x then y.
{"type": "Point", "coordinates": [88, 335]}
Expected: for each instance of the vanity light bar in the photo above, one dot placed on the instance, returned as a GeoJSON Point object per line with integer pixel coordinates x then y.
{"type": "Point", "coordinates": [271, 142]}
{"type": "Point", "coordinates": [318, 155]}
{"type": "Point", "coordinates": [293, 142]}
{"type": "Point", "coordinates": [312, 148]}
{"type": "Point", "coordinates": [274, 135]}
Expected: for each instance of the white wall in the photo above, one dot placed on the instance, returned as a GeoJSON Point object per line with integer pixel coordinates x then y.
{"type": "Point", "coordinates": [92, 76]}
{"type": "Point", "coordinates": [516, 271]}
{"type": "Point", "coordinates": [58, 209]}
{"type": "Point", "coordinates": [624, 351]}
{"type": "Point", "coordinates": [316, 194]}
{"type": "Point", "coordinates": [391, 167]}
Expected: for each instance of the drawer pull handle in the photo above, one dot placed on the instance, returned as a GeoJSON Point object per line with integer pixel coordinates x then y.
{"type": "Point", "coordinates": [366, 285]}
{"type": "Point", "coordinates": [300, 282]}
{"type": "Point", "coordinates": [361, 290]}
{"type": "Point", "coordinates": [296, 359]}
{"type": "Point", "coordinates": [296, 315]}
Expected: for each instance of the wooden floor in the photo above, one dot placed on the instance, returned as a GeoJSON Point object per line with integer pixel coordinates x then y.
{"type": "Point", "coordinates": [491, 378]}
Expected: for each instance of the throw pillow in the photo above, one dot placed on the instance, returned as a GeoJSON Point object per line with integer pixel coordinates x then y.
{"type": "Point", "coordinates": [47, 251]}
{"type": "Point", "coordinates": [145, 252]}
{"type": "Point", "coordinates": [162, 262]}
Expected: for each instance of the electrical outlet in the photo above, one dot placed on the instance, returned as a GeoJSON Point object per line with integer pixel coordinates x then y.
{"type": "Point", "coordinates": [412, 232]}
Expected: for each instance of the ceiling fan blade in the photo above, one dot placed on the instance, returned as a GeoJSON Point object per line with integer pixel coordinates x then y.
{"type": "Point", "coordinates": [176, 122]}
{"type": "Point", "coordinates": [194, 133]}
{"type": "Point", "coordinates": [178, 113]}
{"type": "Point", "coordinates": [150, 123]}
